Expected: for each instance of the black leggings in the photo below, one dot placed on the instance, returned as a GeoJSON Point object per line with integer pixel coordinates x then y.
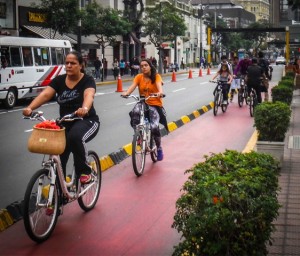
{"type": "Point", "coordinates": [77, 134]}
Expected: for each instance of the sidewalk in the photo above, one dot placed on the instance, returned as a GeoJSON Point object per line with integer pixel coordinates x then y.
{"type": "Point", "coordinates": [287, 237]}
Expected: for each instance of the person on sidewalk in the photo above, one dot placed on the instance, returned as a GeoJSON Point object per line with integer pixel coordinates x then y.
{"type": "Point", "coordinates": [104, 62]}
{"type": "Point", "coordinates": [150, 82]}
{"type": "Point", "coordinates": [122, 65]}
{"type": "Point", "coordinates": [116, 68]}
{"type": "Point", "coordinates": [97, 65]}
{"type": "Point", "coordinates": [224, 75]}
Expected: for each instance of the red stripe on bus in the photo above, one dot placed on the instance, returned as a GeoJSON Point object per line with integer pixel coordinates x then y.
{"type": "Point", "coordinates": [48, 78]}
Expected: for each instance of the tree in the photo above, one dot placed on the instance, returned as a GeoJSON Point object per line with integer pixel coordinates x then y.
{"type": "Point", "coordinates": [294, 3]}
{"type": "Point", "coordinates": [135, 16]}
{"type": "Point", "coordinates": [105, 23]}
{"type": "Point", "coordinates": [61, 15]}
{"type": "Point", "coordinates": [256, 37]}
{"type": "Point", "coordinates": [164, 17]}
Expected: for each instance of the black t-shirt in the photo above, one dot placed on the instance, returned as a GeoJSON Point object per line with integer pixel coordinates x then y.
{"type": "Point", "coordinates": [254, 73]}
{"type": "Point", "coordinates": [70, 100]}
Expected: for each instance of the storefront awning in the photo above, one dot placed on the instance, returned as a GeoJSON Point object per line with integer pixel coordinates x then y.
{"type": "Point", "coordinates": [48, 33]}
{"type": "Point", "coordinates": [86, 41]}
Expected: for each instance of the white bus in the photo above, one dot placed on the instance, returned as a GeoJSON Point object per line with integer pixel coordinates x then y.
{"type": "Point", "coordinates": [28, 65]}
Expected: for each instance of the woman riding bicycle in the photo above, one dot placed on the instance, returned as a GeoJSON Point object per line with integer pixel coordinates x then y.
{"type": "Point", "coordinates": [224, 75]}
{"type": "Point", "coordinates": [150, 82]}
{"type": "Point", "coordinates": [75, 93]}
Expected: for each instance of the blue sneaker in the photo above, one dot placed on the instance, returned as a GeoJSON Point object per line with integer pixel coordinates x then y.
{"type": "Point", "coordinates": [160, 154]}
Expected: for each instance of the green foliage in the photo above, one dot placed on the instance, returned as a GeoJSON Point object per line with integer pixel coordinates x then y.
{"type": "Point", "coordinates": [272, 120]}
{"type": "Point", "coordinates": [239, 221]}
{"type": "Point", "coordinates": [283, 92]}
{"type": "Point", "coordinates": [168, 18]}
{"type": "Point", "coordinates": [257, 38]}
{"type": "Point", "coordinates": [61, 15]}
{"type": "Point", "coordinates": [105, 23]}
{"type": "Point", "coordinates": [289, 74]}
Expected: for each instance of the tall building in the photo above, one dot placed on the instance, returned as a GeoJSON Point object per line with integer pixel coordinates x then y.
{"type": "Point", "coordinates": [261, 8]}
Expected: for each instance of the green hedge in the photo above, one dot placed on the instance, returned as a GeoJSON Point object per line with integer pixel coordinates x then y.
{"type": "Point", "coordinates": [228, 205]}
{"type": "Point", "coordinates": [272, 120]}
{"type": "Point", "coordinates": [282, 92]}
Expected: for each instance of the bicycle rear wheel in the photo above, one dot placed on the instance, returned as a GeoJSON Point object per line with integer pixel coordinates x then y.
{"type": "Point", "coordinates": [216, 103]}
{"type": "Point", "coordinates": [39, 222]}
{"type": "Point", "coordinates": [138, 152]}
{"type": "Point", "coordinates": [153, 147]}
{"type": "Point", "coordinates": [88, 201]}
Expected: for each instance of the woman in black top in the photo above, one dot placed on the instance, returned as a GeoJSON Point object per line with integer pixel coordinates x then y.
{"type": "Point", "coordinates": [75, 93]}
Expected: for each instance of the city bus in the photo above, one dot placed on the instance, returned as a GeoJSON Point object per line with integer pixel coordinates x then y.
{"type": "Point", "coordinates": [28, 65]}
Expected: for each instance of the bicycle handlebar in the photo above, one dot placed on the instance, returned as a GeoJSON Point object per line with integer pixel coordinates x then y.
{"type": "Point", "coordinates": [138, 98]}
{"type": "Point", "coordinates": [39, 116]}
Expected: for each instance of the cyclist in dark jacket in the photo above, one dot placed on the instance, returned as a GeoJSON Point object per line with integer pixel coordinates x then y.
{"type": "Point", "coordinates": [253, 78]}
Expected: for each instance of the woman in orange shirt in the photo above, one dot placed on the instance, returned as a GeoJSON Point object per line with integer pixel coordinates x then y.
{"type": "Point", "coordinates": [149, 82]}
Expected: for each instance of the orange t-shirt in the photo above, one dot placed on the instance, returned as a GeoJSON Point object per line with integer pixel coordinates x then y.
{"type": "Point", "coordinates": [146, 87]}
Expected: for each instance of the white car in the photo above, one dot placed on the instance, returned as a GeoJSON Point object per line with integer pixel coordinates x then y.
{"type": "Point", "coordinates": [280, 61]}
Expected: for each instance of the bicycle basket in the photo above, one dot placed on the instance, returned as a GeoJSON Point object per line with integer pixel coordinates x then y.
{"type": "Point", "coordinates": [47, 141]}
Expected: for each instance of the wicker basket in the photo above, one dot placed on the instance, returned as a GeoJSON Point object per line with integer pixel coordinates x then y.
{"type": "Point", "coordinates": [47, 141]}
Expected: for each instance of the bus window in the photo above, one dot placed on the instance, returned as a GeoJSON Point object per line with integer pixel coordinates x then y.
{"type": "Point", "coordinates": [37, 56]}
{"type": "Point", "coordinates": [53, 56]}
{"type": "Point", "coordinates": [27, 56]}
{"type": "Point", "coordinates": [60, 56]}
{"type": "Point", "coordinates": [45, 56]}
{"type": "Point", "coordinates": [5, 62]}
{"type": "Point", "coordinates": [15, 57]}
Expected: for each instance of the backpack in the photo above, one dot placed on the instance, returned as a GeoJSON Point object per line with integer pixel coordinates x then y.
{"type": "Point", "coordinates": [265, 67]}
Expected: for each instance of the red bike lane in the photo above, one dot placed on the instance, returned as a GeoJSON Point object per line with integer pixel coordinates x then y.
{"type": "Point", "coordinates": [133, 215]}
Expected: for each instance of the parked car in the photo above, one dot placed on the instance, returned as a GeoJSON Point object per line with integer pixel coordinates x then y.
{"type": "Point", "coordinates": [280, 61]}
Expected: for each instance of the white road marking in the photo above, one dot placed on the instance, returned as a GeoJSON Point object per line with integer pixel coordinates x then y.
{"type": "Point", "coordinates": [181, 89]}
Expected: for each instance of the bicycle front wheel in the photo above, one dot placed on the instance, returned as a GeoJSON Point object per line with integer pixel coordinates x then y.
{"type": "Point", "coordinates": [40, 219]}
{"type": "Point", "coordinates": [90, 198]}
{"type": "Point", "coordinates": [138, 152]}
{"type": "Point", "coordinates": [251, 105]}
{"type": "Point", "coordinates": [240, 97]}
{"type": "Point", "coordinates": [216, 103]}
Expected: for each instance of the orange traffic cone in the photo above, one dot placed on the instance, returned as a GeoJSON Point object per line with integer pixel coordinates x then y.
{"type": "Point", "coordinates": [200, 72]}
{"type": "Point", "coordinates": [174, 77]}
{"type": "Point", "coordinates": [208, 71]}
{"type": "Point", "coordinates": [190, 74]}
{"type": "Point", "coordinates": [119, 84]}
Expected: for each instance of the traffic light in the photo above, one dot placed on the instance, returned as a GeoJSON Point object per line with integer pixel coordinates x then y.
{"type": "Point", "coordinates": [208, 36]}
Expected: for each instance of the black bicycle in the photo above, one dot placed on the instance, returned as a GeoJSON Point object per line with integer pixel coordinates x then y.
{"type": "Point", "coordinates": [243, 93]}
{"type": "Point", "coordinates": [252, 99]}
{"type": "Point", "coordinates": [218, 99]}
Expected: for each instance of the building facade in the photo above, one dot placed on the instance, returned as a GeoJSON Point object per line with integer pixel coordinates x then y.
{"type": "Point", "coordinates": [260, 8]}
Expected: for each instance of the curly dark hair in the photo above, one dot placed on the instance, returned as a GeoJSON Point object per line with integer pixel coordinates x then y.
{"type": "Point", "coordinates": [153, 70]}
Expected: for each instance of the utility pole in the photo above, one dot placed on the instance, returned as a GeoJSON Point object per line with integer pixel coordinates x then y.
{"type": "Point", "coordinates": [79, 31]}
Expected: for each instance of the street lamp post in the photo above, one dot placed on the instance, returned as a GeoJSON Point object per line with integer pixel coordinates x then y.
{"type": "Point", "coordinates": [200, 14]}
{"type": "Point", "coordinates": [160, 62]}
{"type": "Point", "coordinates": [79, 31]}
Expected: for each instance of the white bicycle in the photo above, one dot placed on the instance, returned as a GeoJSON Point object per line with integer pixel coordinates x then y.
{"type": "Point", "coordinates": [49, 190]}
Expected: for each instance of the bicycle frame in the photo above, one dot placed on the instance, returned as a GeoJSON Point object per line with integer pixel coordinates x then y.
{"type": "Point", "coordinates": [55, 169]}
